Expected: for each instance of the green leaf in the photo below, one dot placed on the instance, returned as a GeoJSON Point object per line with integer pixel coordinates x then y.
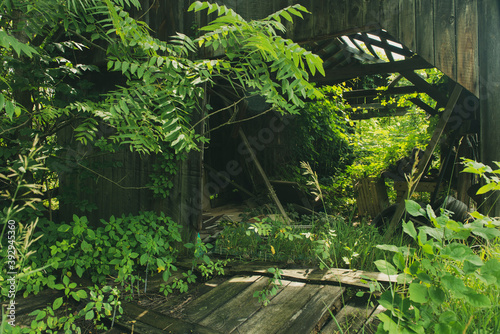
{"type": "Point", "coordinates": [385, 267]}
{"type": "Point", "coordinates": [91, 234]}
{"type": "Point", "coordinates": [89, 315]}
{"type": "Point", "coordinates": [413, 208]}
{"type": "Point", "coordinates": [40, 315]}
{"type": "Point", "coordinates": [491, 272]}
{"type": "Point", "coordinates": [390, 248]}
{"type": "Point", "coordinates": [57, 303]}
{"type": "Point", "coordinates": [63, 228]}
{"type": "Point", "coordinates": [86, 247]}
{"type": "Point", "coordinates": [287, 16]}
{"type": "Point", "coordinates": [437, 295]}
{"type": "Point", "coordinates": [9, 109]}
{"type": "Point", "coordinates": [79, 270]}
{"type": "Point", "coordinates": [409, 229]}
{"type": "Point", "coordinates": [476, 299]}
{"type": "Point", "coordinates": [418, 293]}
{"type": "Point", "coordinates": [82, 293]}
{"type": "Point", "coordinates": [457, 251]}
{"type": "Point", "coordinates": [143, 259]}
{"type": "Point", "coordinates": [487, 187]}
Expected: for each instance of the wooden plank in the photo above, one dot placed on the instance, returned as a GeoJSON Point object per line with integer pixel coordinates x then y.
{"type": "Point", "coordinates": [207, 303]}
{"type": "Point", "coordinates": [425, 159]}
{"type": "Point", "coordinates": [263, 174]}
{"type": "Point", "coordinates": [424, 14]}
{"type": "Point", "coordinates": [375, 92]}
{"type": "Point", "coordinates": [315, 312]}
{"type": "Point", "coordinates": [389, 17]}
{"type": "Point", "coordinates": [489, 44]}
{"type": "Point", "coordinates": [331, 276]}
{"type": "Point", "coordinates": [349, 72]}
{"type": "Point", "coordinates": [407, 23]}
{"type": "Point", "coordinates": [279, 312]}
{"type": "Point", "coordinates": [445, 56]}
{"type": "Point", "coordinates": [302, 29]}
{"type": "Point", "coordinates": [404, 51]}
{"type": "Point", "coordinates": [424, 106]}
{"type": "Point", "coordinates": [230, 315]}
{"type": "Point", "coordinates": [429, 89]}
{"type": "Point", "coordinates": [161, 321]}
{"type": "Point", "coordinates": [130, 325]}
{"type": "Point", "coordinates": [467, 45]}
{"type": "Point", "coordinates": [321, 16]}
{"type": "Point", "coordinates": [368, 44]}
{"type": "Point", "coordinates": [372, 13]}
{"type": "Point", "coordinates": [376, 113]}
{"type": "Point", "coordinates": [350, 319]}
{"type": "Point", "coordinates": [33, 302]}
{"type": "Point", "coordinates": [355, 14]}
{"type": "Point", "coordinates": [338, 17]}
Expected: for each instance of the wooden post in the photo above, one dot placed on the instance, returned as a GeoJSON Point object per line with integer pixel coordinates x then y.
{"type": "Point", "coordinates": [425, 159]}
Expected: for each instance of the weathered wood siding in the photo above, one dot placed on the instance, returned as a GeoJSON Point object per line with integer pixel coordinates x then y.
{"type": "Point", "coordinates": [445, 33]}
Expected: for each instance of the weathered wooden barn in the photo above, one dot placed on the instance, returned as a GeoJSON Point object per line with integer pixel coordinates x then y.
{"type": "Point", "coordinates": [458, 37]}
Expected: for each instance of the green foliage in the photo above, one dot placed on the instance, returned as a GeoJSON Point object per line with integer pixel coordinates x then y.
{"type": "Point", "coordinates": [248, 44]}
{"type": "Point", "coordinates": [96, 310]}
{"type": "Point", "coordinates": [329, 242]}
{"type": "Point", "coordinates": [446, 285]}
{"type": "Point", "coordinates": [492, 177]}
{"type": "Point", "coordinates": [53, 83]}
{"type": "Point", "coordinates": [272, 287]}
{"type": "Point", "coordinates": [165, 169]}
{"type": "Point", "coordinates": [380, 142]}
{"type": "Point", "coordinates": [320, 134]}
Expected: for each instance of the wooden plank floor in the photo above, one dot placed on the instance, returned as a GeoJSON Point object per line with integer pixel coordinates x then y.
{"type": "Point", "coordinates": [230, 307]}
{"type": "Point", "coordinates": [304, 303]}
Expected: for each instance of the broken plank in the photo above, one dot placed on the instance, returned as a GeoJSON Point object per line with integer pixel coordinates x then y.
{"type": "Point", "coordinates": [229, 316]}
{"type": "Point", "coordinates": [209, 302]}
{"type": "Point", "coordinates": [279, 312]}
{"type": "Point", "coordinates": [164, 322]}
{"type": "Point", "coordinates": [130, 325]}
{"type": "Point", "coordinates": [315, 312]}
{"type": "Point", "coordinates": [350, 319]}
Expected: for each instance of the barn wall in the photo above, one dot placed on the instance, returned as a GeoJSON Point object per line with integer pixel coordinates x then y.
{"type": "Point", "coordinates": [489, 61]}
{"type": "Point", "coordinates": [445, 33]}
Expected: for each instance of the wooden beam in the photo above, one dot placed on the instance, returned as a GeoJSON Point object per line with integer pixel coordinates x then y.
{"type": "Point", "coordinates": [351, 72]}
{"type": "Point", "coordinates": [264, 176]}
{"type": "Point", "coordinates": [376, 92]}
{"type": "Point", "coordinates": [236, 185]}
{"type": "Point", "coordinates": [424, 106]}
{"type": "Point", "coordinates": [384, 45]}
{"type": "Point", "coordinates": [430, 90]}
{"type": "Point", "coordinates": [379, 113]}
{"type": "Point", "coordinates": [425, 159]}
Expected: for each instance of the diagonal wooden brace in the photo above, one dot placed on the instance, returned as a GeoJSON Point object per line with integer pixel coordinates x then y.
{"type": "Point", "coordinates": [452, 101]}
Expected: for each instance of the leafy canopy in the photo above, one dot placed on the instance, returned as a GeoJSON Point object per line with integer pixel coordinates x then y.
{"type": "Point", "coordinates": [48, 48]}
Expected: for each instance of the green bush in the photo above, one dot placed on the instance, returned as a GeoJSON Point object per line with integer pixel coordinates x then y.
{"type": "Point", "coordinates": [449, 282]}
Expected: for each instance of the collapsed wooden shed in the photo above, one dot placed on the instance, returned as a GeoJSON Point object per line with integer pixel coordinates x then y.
{"type": "Point", "coordinates": [459, 37]}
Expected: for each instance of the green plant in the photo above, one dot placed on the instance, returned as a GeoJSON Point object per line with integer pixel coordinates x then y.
{"type": "Point", "coordinates": [272, 287]}
{"type": "Point", "coordinates": [446, 285]}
